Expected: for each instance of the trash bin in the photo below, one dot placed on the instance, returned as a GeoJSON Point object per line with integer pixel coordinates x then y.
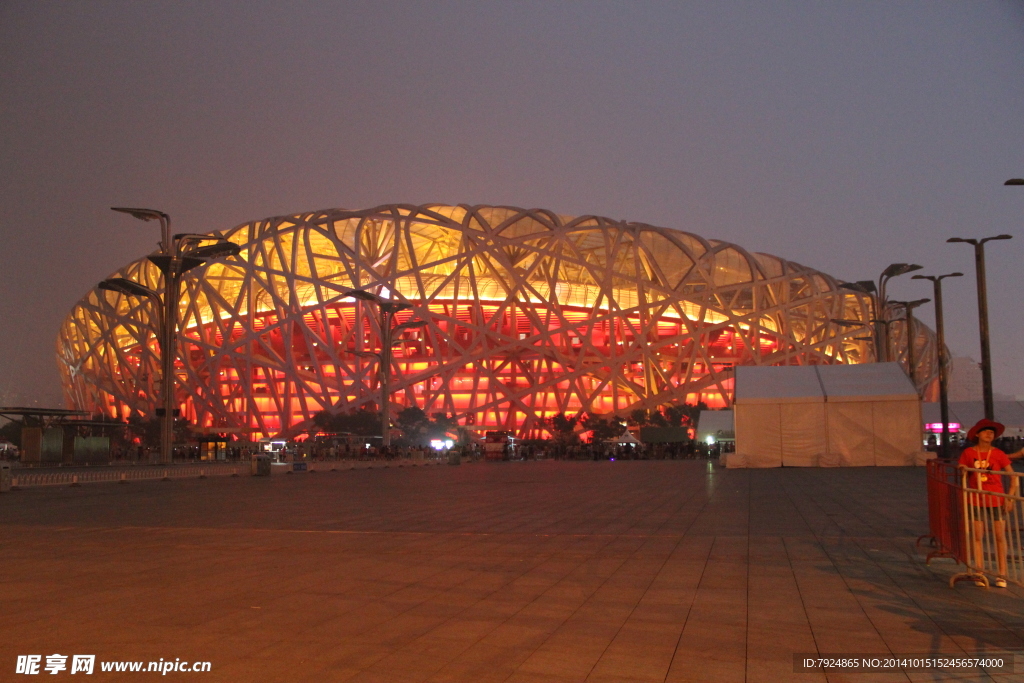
{"type": "Point", "coordinates": [454, 457]}
{"type": "Point", "coordinates": [5, 477]}
{"type": "Point", "coordinates": [261, 465]}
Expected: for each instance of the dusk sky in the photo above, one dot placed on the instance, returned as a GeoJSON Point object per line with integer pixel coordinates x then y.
{"type": "Point", "coordinates": [840, 135]}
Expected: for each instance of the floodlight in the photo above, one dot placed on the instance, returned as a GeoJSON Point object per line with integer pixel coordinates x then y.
{"type": "Point", "coordinates": [141, 214]}
{"type": "Point", "coordinates": [214, 251]}
{"type": "Point", "coordinates": [125, 286]}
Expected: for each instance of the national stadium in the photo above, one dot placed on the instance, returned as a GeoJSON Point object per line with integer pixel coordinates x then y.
{"type": "Point", "coordinates": [525, 314]}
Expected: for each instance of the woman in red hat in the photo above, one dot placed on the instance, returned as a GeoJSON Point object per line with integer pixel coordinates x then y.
{"type": "Point", "coordinates": [984, 456]}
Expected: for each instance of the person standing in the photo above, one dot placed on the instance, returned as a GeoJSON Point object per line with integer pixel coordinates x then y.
{"type": "Point", "coordinates": [984, 456]}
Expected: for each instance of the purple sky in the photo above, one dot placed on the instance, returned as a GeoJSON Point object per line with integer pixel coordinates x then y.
{"type": "Point", "coordinates": [843, 136]}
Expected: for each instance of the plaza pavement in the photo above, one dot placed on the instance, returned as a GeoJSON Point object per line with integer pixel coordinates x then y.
{"type": "Point", "coordinates": [531, 571]}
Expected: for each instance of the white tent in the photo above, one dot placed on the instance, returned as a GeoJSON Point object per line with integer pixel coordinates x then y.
{"type": "Point", "coordinates": [826, 415]}
{"type": "Point", "coordinates": [779, 413]}
{"type": "Point", "coordinates": [626, 438]}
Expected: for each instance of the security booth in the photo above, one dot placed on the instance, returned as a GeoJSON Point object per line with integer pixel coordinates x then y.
{"type": "Point", "coordinates": [55, 436]}
{"type": "Point", "coordinates": [43, 445]}
{"type": "Point", "coordinates": [87, 442]}
{"type": "Point", "coordinates": [496, 445]}
{"type": "Point", "coordinates": [826, 416]}
{"type": "Point", "coordinates": [214, 441]}
{"type": "Point", "coordinates": [275, 449]}
{"type": "Point", "coordinates": [91, 450]}
{"type": "Point", "coordinates": [212, 447]}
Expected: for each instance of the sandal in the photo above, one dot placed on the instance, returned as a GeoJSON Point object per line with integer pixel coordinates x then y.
{"type": "Point", "coordinates": [1000, 583]}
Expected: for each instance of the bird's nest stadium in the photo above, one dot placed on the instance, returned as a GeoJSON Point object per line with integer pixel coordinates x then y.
{"type": "Point", "coordinates": [528, 314]}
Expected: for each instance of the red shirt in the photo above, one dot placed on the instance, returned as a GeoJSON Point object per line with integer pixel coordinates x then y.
{"type": "Point", "coordinates": [993, 459]}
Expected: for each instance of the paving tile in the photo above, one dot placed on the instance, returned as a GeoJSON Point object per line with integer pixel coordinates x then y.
{"type": "Point", "coordinates": [551, 571]}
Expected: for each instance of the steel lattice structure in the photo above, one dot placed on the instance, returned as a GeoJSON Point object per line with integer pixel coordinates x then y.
{"type": "Point", "coordinates": [530, 314]}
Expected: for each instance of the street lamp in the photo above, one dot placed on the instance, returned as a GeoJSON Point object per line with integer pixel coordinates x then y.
{"type": "Point", "coordinates": [940, 338]}
{"type": "Point", "coordinates": [864, 323]}
{"type": "Point", "coordinates": [879, 304]}
{"type": "Point", "coordinates": [387, 309]}
{"type": "Point", "coordinates": [1014, 181]}
{"type": "Point", "coordinates": [893, 270]}
{"type": "Point", "coordinates": [908, 307]}
{"type": "Point", "coordinates": [986, 356]}
{"type": "Point", "coordinates": [129, 288]}
{"type": "Point", "coordinates": [178, 254]}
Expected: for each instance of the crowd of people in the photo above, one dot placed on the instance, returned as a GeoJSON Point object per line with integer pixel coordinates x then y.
{"type": "Point", "coordinates": [340, 449]}
{"type": "Point", "coordinates": [684, 450]}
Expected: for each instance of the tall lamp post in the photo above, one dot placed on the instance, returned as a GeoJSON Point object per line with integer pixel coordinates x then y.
{"type": "Point", "coordinates": [940, 338]}
{"type": "Point", "coordinates": [178, 254]}
{"type": "Point", "coordinates": [986, 355]}
{"type": "Point", "coordinates": [893, 270]}
{"type": "Point", "coordinates": [387, 310]}
{"type": "Point", "coordinates": [865, 323]}
{"type": "Point", "coordinates": [908, 308]}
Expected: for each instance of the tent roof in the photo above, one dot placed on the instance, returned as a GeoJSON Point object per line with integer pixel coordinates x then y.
{"type": "Point", "coordinates": [778, 384]}
{"type": "Point", "coordinates": [866, 382]}
{"type": "Point", "coordinates": [817, 383]}
{"type": "Point", "coordinates": [626, 437]}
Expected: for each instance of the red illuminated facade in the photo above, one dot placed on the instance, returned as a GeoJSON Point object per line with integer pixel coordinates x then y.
{"type": "Point", "coordinates": [528, 314]}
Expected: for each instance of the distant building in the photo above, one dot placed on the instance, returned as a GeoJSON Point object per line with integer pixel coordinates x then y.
{"type": "Point", "coordinates": [965, 381]}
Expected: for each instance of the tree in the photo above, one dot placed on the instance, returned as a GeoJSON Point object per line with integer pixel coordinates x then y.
{"type": "Point", "coordinates": [441, 424]}
{"type": "Point", "coordinates": [641, 417]}
{"type": "Point", "coordinates": [561, 426]}
{"type": "Point", "coordinates": [682, 415]}
{"type": "Point", "coordinates": [657, 419]}
{"type": "Point", "coordinates": [693, 411]}
{"type": "Point", "coordinates": [603, 428]}
{"type": "Point", "coordinates": [417, 428]}
{"type": "Point", "coordinates": [674, 415]}
{"type": "Point", "coordinates": [414, 423]}
{"type": "Point", "coordinates": [362, 422]}
{"type": "Point", "coordinates": [148, 430]}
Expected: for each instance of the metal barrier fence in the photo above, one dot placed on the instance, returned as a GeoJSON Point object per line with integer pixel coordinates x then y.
{"type": "Point", "coordinates": [944, 519]}
{"type": "Point", "coordinates": [993, 523]}
{"type": "Point", "coordinates": [25, 478]}
{"type": "Point", "coordinates": [980, 529]}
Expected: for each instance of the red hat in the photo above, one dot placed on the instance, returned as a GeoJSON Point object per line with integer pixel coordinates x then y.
{"type": "Point", "coordinates": [972, 435]}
